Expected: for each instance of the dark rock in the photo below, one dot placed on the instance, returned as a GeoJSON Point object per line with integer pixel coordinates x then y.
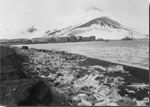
{"type": "Point", "coordinates": [59, 74]}
{"type": "Point", "coordinates": [57, 84]}
{"type": "Point", "coordinates": [25, 47]}
{"type": "Point", "coordinates": [97, 78]}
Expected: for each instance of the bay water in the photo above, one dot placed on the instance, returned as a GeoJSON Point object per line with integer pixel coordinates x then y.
{"type": "Point", "coordinates": [132, 52]}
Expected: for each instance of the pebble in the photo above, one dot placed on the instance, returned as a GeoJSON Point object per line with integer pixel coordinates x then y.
{"type": "Point", "coordinates": [97, 67]}
{"type": "Point", "coordinates": [76, 99]}
{"type": "Point", "coordinates": [115, 69]}
{"type": "Point", "coordinates": [84, 103]}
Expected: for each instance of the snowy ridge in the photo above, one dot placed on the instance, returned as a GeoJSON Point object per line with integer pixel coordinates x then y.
{"type": "Point", "coordinates": [101, 27]}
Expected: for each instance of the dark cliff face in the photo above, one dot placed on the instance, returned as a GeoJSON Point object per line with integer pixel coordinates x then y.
{"type": "Point", "coordinates": [102, 21]}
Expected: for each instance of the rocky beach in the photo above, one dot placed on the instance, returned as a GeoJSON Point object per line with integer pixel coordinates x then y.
{"type": "Point", "coordinates": [46, 77]}
{"type": "Point", "coordinates": [74, 53]}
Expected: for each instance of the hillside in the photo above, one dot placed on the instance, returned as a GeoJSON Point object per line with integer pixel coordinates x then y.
{"type": "Point", "coordinates": [101, 27]}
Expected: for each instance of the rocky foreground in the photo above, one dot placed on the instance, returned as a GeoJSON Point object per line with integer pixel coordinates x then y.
{"type": "Point", "coordinates": [42, 77]}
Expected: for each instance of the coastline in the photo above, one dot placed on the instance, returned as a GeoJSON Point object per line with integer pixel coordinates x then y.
{"type": "Point", "coordinates": [74, 62]}
{"type": "Point", "coordinates": [135, 57]}
{"type": "Point", "coordinates": [142, 73]}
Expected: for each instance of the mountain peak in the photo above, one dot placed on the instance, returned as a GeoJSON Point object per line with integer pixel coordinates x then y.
{"type": "Point", "coordinates": [102, 21]}
{"type": "Point", "coordinates": [101, 27]}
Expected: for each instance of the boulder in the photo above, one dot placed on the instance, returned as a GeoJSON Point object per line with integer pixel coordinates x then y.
{"type": "Point", "coordinates": [25, 47]}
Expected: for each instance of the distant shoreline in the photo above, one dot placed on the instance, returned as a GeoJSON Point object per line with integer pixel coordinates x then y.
{"type": "Point", "coordinates": [70, 45]}
{"type": "Point", "coordinates": [104, 40]}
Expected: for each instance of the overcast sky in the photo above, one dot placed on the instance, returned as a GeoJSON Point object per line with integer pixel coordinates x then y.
{"type": "Point", "coordinates": [18, 15]}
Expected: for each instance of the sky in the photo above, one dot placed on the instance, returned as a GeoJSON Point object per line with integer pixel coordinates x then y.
{"type": "Point", "coordinates": [18, 15]}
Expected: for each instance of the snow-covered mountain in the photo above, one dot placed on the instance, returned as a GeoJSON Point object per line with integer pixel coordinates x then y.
{"type": "Point", "coordinates": [101, 27]}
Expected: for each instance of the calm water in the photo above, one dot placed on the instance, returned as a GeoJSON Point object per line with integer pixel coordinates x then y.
{"type": "Point", "coordinates": [135, 53]}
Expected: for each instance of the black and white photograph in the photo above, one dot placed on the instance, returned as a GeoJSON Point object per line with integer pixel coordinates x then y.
{"type": "Point", "coordinates": [74, 53]}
